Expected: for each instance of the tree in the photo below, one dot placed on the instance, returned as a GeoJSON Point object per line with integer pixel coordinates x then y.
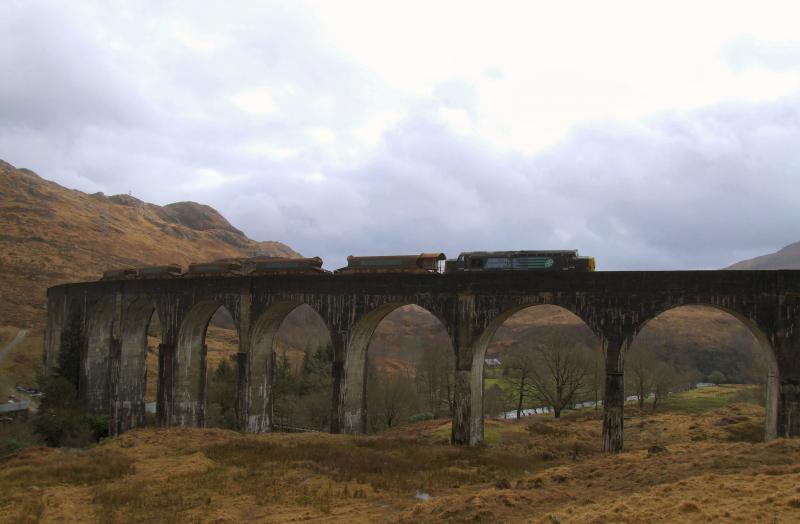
{"type": "Point", "coordinates": [302, 397]}
{"type": "Point", "coordinates": [62, 419]}
{"type": "Point", "coordinates": [391, 399]}
{"type": "Point", "coordinates": [639, 373]}
{"type": "Point", "coordinates": [665, 379]}
{"type": "Point", "coordinates": [690, 377]}
{"type": "Point", "coordinates": [495, 401]}
{"type": "Point", "coordinates": [221, 398]}
{"type": "Point", "coordinates": [596, 378]}
{"type": "Point", "coordinates": [716, 377]}
{"type": "Point", "coordinates": [520, 365]}
{"type": "Point", "coordinates": [559, 374]}
{"type": "Point", "coordinates": [284, 391]}
{"type": "Point", "coordinates": [315, 387]}
{"type": "Point", "coordinates": [434, 379]}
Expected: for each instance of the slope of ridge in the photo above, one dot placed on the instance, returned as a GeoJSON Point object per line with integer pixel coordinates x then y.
{"type": "Point", "coordinates": [50, 235]}
{"type": "Point", "coordinates": [785, 258]}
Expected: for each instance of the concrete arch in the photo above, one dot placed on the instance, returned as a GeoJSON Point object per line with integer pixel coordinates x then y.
{"type": "Point", "coordinates": [352, 402]}
{"type": "Point", "coordinates": [100, 344]}
{"type": "Point", "coordinates": [132, 376]}
{"type": "Point", "coordinates": [189, 396]}
{"type": "Point", "coordinates": [261, 359]}
{"type": "Point", "coordinates": [479, 353]}
{"type": "Point", "coordinates": [767, 350]}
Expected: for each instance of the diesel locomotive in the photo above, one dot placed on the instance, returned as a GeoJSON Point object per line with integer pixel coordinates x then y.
{"type": "Point", "coordinates": [520, 261]}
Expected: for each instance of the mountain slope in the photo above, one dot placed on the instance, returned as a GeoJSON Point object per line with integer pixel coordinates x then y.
{"type": "Point", "coordinates": [785, 258]}
{"type": "Point", "coordinates": [51, 235]}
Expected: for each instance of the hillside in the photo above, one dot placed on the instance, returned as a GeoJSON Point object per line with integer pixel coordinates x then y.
{"type": "Point", "coordinates": [52, 235]}
{"type": "Point", "coordinates": [785, 258]}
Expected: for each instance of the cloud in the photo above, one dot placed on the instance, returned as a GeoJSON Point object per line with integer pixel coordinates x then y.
{"type": "Point", "coordinates": [694, 190]}
{"type": "Point", "coordinates": [257, 101]}
{"type": "Point", "coordinates": [341, 139]}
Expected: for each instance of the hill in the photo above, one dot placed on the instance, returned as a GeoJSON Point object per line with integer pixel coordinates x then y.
{"type": "Point", "coordinates": [785, 258]}
{"type": "Point", "coordinates": [51, 235]}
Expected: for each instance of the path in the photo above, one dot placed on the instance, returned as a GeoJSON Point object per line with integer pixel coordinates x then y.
{"type": "Point", "coordinates": [21, 334]}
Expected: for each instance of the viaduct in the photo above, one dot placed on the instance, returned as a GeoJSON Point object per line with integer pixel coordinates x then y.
{"type": "Point", "coordinates": [97, 334]}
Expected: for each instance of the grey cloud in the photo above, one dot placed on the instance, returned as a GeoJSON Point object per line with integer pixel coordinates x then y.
{"type": "Point", "coordinates": [54, 76]}
{"type": "Point", "coordinates": [694, 190]}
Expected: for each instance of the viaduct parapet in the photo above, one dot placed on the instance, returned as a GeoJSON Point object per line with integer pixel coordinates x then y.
{"type": "Point", "coordinates": [97, 334]}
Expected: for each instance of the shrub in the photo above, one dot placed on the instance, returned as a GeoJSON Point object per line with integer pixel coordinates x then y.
{"type": "Point", "coordinates": [420, 417]}
{"type": "Point", "coordinates": [98, 425]}
{"type": "Point", "coordinates": [716, 377]}
{"type": "Point", "coordinates": [62, 419]}
{"type": "Point", "coordinates": [15, 436]}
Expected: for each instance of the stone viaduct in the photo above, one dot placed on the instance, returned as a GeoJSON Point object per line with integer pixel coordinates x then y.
{"type": "Point", "coordinates": [97, 334]}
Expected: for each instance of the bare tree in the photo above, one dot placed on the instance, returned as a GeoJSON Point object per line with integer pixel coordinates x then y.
{"type": "Point", "coordinates": [434, 379]}
{"type": "Point", "coordinates": [665, 380]}
{"type": "Point", "coordinates": [519, 367]}
{"type": "Point", "coordinates": [639, 372]}
{"type": "Point", "coordinates": [559, 374]}
{"type": "Point", "coordinates": [391, 399]}
{"type": "Point", "coordinates": [596, 378]}
{"type": "Point", "coordinates": [495, 401]}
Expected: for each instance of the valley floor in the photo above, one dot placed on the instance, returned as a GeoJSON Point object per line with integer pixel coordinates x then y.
{"type": "Point", "coordinates": [695, 463]}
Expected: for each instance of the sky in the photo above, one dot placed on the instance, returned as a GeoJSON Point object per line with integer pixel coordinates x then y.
{"type": "Point", "coordinates": [651, 135]}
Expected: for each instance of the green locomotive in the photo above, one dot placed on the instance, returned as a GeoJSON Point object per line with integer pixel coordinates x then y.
{"type": "Point", "coordinates": [563, 260]}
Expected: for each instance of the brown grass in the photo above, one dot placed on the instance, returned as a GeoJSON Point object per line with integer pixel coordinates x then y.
{"type": "Point", "coordinates": [536, 470]}
{"type": "Point", "coordinates": [24, 362]}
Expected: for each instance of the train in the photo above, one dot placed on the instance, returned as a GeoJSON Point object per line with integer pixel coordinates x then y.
{"type": "Point", "coordinates": [424, 263]}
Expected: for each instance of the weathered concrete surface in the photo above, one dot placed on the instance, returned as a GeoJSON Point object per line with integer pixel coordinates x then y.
{"type": "Point", "coordinates": [94, 334]}
{"type": "Point", "coordinates": [614, 394]}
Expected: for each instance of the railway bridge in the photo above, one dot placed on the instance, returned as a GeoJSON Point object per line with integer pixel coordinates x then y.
{"type": "Point", "coordinates": [97, 334]}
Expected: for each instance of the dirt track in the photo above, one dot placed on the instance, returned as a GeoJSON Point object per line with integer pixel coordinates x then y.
{"type": "Point", "coordinates": [17, 340]}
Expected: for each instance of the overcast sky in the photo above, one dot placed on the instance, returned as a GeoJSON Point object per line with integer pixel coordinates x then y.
{"type": "Point", "coordinates": [652, 135]}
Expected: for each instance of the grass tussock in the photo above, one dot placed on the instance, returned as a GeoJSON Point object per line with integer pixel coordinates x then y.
{"type": "Point", "coordinates": [42, 467]}
{"type": "Point", "coordinates": [680, 465]}
{"type": "Point", "coordinates": [385, 464]}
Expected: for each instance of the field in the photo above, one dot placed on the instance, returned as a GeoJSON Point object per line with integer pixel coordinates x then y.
{"type": "Point", "coordinates": [696, 462]}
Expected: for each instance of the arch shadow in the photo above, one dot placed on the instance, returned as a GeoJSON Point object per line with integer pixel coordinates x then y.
{"type": "Point", "coordinates": [189, 396]}
{"type": "Point", "coordinates": [773, 374]}
{"type": "Point", "coordinates": [100, 343]}
{"type": "Point", "coordinates": [352, 402]}
{"type": "Point", "coordinates": [132, 377]}
{"type": "Point", "coordinates": [476, 422]}
{"type": "Point", "coordinates": [261, 363]}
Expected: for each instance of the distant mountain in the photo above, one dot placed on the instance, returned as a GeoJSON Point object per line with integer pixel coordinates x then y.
{"type": "Point", "coordinates": [50, 235]}
{"type": "Point", "coordinates": [786, 258]}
